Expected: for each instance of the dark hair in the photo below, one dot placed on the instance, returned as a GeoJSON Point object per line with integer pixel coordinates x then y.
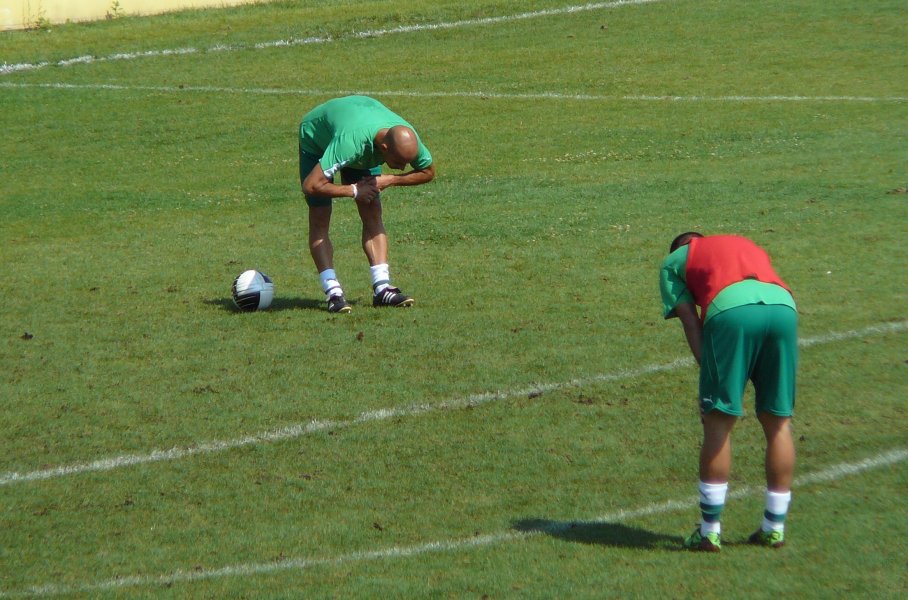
{"type": "Point", "coordinates": [683, 240]}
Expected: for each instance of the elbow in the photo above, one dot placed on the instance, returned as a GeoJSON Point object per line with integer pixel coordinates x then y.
{"type": "Point", "coordinates": [314, 183]}
{"type": "Point", "coordinates": [310, 188]}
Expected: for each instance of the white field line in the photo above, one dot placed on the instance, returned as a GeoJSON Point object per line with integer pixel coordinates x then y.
{"type": "Point", "coordinates": [301, 429]}
{"type": "Point", "coordinates": [207, 89]}
{"type": "Point", "coordinates": [832, 473]}
{"type": "Point", "coordinates": [6, 69]}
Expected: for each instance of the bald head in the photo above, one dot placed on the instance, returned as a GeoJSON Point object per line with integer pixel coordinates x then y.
{"type": "Point", "coordinates": [399, 146]}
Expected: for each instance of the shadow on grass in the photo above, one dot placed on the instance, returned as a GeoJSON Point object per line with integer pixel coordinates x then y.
{"type": "Point", "coordinates": [277, 304]}
{"type": "Point", "coordinates": [601, 533]}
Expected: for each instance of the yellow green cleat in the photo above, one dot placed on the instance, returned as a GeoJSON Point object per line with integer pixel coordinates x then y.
{"type": "Point", "coordinates": [711, 542]}
{"type": "Point", "coordinates": [770, 539]}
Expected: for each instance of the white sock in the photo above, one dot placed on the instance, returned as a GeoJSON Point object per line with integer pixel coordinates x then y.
{"type": "Point", "coordinates": [712, 501]}
{"type": "Point", "coordinates": [776, 510]}
{"type": "Point", "coordinates": [330, 284]}
{"type": "Point", "coordinates": [710, 527]}
{"type": "Point", "coordinates": [381, 277]}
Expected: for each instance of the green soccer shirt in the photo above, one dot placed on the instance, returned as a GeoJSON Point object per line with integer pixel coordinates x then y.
{"type": "Point", "coordinates": [673, 286]}
{"type": "Point", "coordinates": [341, 133]}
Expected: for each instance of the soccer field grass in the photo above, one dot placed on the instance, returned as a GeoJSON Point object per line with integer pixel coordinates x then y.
{"type": "Point", "coordinates": [528, 429]}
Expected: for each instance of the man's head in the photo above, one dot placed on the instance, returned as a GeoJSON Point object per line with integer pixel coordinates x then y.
{"type": "Point", "coordinates": [399, 146]}
{"type": "Point", "coordinates": [683, 240]}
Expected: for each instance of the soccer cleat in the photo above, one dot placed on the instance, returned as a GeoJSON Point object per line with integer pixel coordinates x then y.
{"type": "Point", "coordinates": [391, 296]}
{"type": "Point", "coordinates": [338, 304]}
{"type": "Point", "coordinates": [711, 542]}
{"type": "Point", "coordinates": [770, 539]}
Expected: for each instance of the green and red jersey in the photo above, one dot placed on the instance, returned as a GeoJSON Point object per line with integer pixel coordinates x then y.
{"type": "Point", "coordinates": [718, 273]}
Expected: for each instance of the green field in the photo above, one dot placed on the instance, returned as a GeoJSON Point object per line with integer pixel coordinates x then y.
{"type": "Point", "coordinates": [529, 428]}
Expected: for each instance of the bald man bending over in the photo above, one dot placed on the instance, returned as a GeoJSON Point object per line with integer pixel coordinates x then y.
{"type": "Point", "coordinates": [354, 136]}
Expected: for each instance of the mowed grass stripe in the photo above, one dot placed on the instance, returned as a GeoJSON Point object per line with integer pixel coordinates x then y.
{"type": "Point", "coordinates": [301, 429]}
{"type": "Point", "coordinates": [833, 473]}
{"type": "Point", "coordinates": [449, 94]}
{"type": "Point", "coordinates": [6, 69]}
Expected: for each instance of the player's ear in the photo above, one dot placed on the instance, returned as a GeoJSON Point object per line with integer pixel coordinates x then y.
{"type": "Point", "coordinates": [385, 141]}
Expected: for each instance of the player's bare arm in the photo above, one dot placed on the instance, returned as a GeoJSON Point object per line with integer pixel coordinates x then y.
{"type": "Point", "coordinates": [693, 329]}
{"type": "Point", "coordinates": [414, 177]}
{"type": "Point", "coordinates": [317, 185]}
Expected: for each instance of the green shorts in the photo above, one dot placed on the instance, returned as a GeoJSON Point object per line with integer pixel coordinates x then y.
{"type": "Point", "coordinates": [756, 342]}
{"type": "Point", "coordinates": [348, 176]}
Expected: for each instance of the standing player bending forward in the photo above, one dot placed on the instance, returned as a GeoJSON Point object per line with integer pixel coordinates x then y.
{"type": "Point", "coordinates": [746, 330]}
{"type": "Point", "coordinates": [354, 136]}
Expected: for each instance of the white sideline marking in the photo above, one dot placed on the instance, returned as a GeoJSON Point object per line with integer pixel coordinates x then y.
{"type": "Point", "coordinates": [6, 69]}
{"type": "Point", "coordinates": [301, 429]}
{"type": "Point", "coordinates": [480, 94]}
{"type": "Point", "coordinates": [298, 564]}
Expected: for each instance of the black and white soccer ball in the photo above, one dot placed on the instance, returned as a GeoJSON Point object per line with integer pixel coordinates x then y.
{"type": "Point", "coordinates": [252, 290]}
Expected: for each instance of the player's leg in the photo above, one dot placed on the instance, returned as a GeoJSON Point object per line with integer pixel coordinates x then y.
{"type": "Point", "coordinates": [723, 375]}
{"type": "Point", "coordinates": [715, 468]}
{"type": "Point", "coordinates": [375, 246]}
{"type": "Point", "coordinates": [780, 452]}
{"type": "Point", "coordinates": [323, 255]}
{"type": "Point", "coordinates": [320, 246]}
{"type": "Point", "coordinates": [715, 453]}
{"type": "Point", "coordinates": [774, 378]}
{"type": "Point", "coordinates": [780, 462]}
{"type": "Point", "coordinates": [374, 236]}
{"type": "Point", "coordinates": [724, 368]}
{"type": "Point", "coordinates": [320, 242]}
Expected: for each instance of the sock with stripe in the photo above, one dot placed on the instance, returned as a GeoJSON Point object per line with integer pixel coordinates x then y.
{"type": "Point", "coordinates": [381, 277]}
{"type": "Point", "coordinates": [776, 510]}
{"type": "Point", "coordinates": [712, 501]}
{"type": "Point", "coordinates": [330, 284]}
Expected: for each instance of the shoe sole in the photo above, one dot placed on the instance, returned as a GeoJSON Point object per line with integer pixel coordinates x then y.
{"type": "Point", "coordinates": [404, 304]}
{"type": "Point", "coordinates": [775, 546]}
{"type": "Point", "coordinates": [704, 546]}
{"type": "Point", "coordinates": [343, 310]}
{"type": "Point", "coordinates": [755, 541]}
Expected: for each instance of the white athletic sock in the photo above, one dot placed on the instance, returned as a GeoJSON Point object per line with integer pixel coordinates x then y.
{"type": "Point", "coordinates": [776, 510]}
{"type": "Point", "coordinates": [381, 277]}
{"type": "Point", "coordinates": [710, 527]}
{"type": "Point", "coordinates": [712, 501]}
{"type": "Point", "coordinates": [330, 284]}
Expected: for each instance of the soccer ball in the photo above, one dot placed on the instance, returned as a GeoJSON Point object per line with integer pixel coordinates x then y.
{"type": "Point", "coordinates": [252, 290]}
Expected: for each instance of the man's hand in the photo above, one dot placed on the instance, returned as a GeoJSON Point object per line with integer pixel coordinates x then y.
{"type": "Point", "coordinates": [384, 181]}
{"type": "Point", "coordinates": [366, 190]}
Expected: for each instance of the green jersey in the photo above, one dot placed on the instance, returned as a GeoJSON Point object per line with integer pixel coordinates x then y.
{"type": "Point", "coordinates": [673, 286]}
{"type": "Point", "coordinates": [341, 134]}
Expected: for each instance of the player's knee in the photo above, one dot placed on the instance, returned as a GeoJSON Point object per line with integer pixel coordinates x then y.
{"type": "Point", "coordinates": [773, 424]}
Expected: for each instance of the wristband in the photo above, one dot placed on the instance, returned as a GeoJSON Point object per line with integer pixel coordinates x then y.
{"type": "Point", "coordinates": [355, 191]}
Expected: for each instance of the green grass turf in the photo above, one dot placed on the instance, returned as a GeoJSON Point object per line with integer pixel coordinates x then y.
{"type": "Point", "coordinates": [533, 258]}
